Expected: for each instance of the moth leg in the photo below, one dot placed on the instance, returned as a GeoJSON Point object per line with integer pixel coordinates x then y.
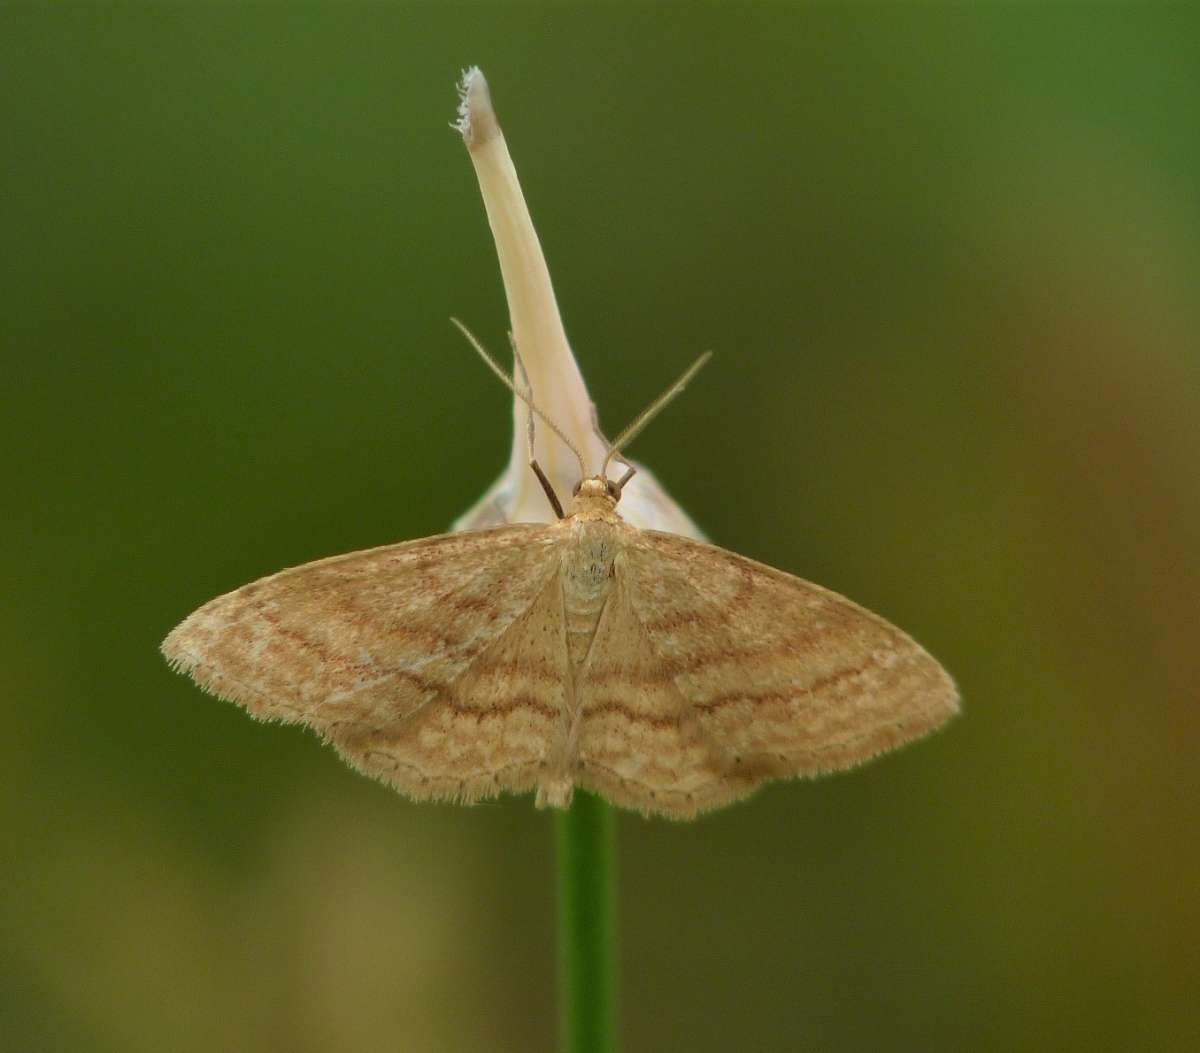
{"type": "Point", "coordinates": [551, 496]}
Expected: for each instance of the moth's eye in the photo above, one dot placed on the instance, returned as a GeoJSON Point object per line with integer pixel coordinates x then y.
{"type": "Point", "coordinates": [575, 492]}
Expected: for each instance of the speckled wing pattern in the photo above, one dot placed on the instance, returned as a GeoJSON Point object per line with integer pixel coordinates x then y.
{"type": "Point", "coordinates": [425, 663]}
{"type": "Point", "coordinates": [713, 673]}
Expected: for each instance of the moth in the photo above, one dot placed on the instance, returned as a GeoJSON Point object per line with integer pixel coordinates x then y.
{"type": "Point", "coordinates": [668, 675]}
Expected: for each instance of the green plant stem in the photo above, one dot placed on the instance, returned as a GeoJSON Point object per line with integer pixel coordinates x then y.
{"type": "Point", "coordinates": [587, 926]}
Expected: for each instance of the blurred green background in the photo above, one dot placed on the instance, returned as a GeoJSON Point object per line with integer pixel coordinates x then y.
{"type": "Point", "coordinates": [948, 261]}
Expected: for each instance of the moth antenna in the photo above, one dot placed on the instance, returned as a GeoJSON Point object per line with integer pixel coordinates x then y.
{"type": "Point", "coordinates": [528, 389]}
{"type": "Point", "coordinates": [507, 382]}
{"type": "Point", "coordinates": [601, 436]}
{"type": "Point", "coordinates": [650, 412]}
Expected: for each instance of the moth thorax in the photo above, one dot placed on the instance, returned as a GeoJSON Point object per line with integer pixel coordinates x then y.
{"type": "Point", "coordinates": [587, 579]}
{"type": "Point", "coordinates": [588, 562]}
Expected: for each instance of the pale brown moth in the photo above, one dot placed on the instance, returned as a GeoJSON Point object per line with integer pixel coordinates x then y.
{"type": "Point", "coordinates": [668, 675]}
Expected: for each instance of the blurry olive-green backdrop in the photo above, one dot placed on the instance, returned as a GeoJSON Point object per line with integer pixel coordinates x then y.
{"type": "Point", "coordinates": [948, 261]}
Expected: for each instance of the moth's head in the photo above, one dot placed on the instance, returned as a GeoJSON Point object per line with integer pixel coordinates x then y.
{"type": "Point", "coordinates": [595, 497]}
{"type": "Point", "coordinates": [598, 487]}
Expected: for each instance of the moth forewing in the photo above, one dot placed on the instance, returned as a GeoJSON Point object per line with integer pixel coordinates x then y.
{"type": "Point", "coordinates": [669, 675]}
